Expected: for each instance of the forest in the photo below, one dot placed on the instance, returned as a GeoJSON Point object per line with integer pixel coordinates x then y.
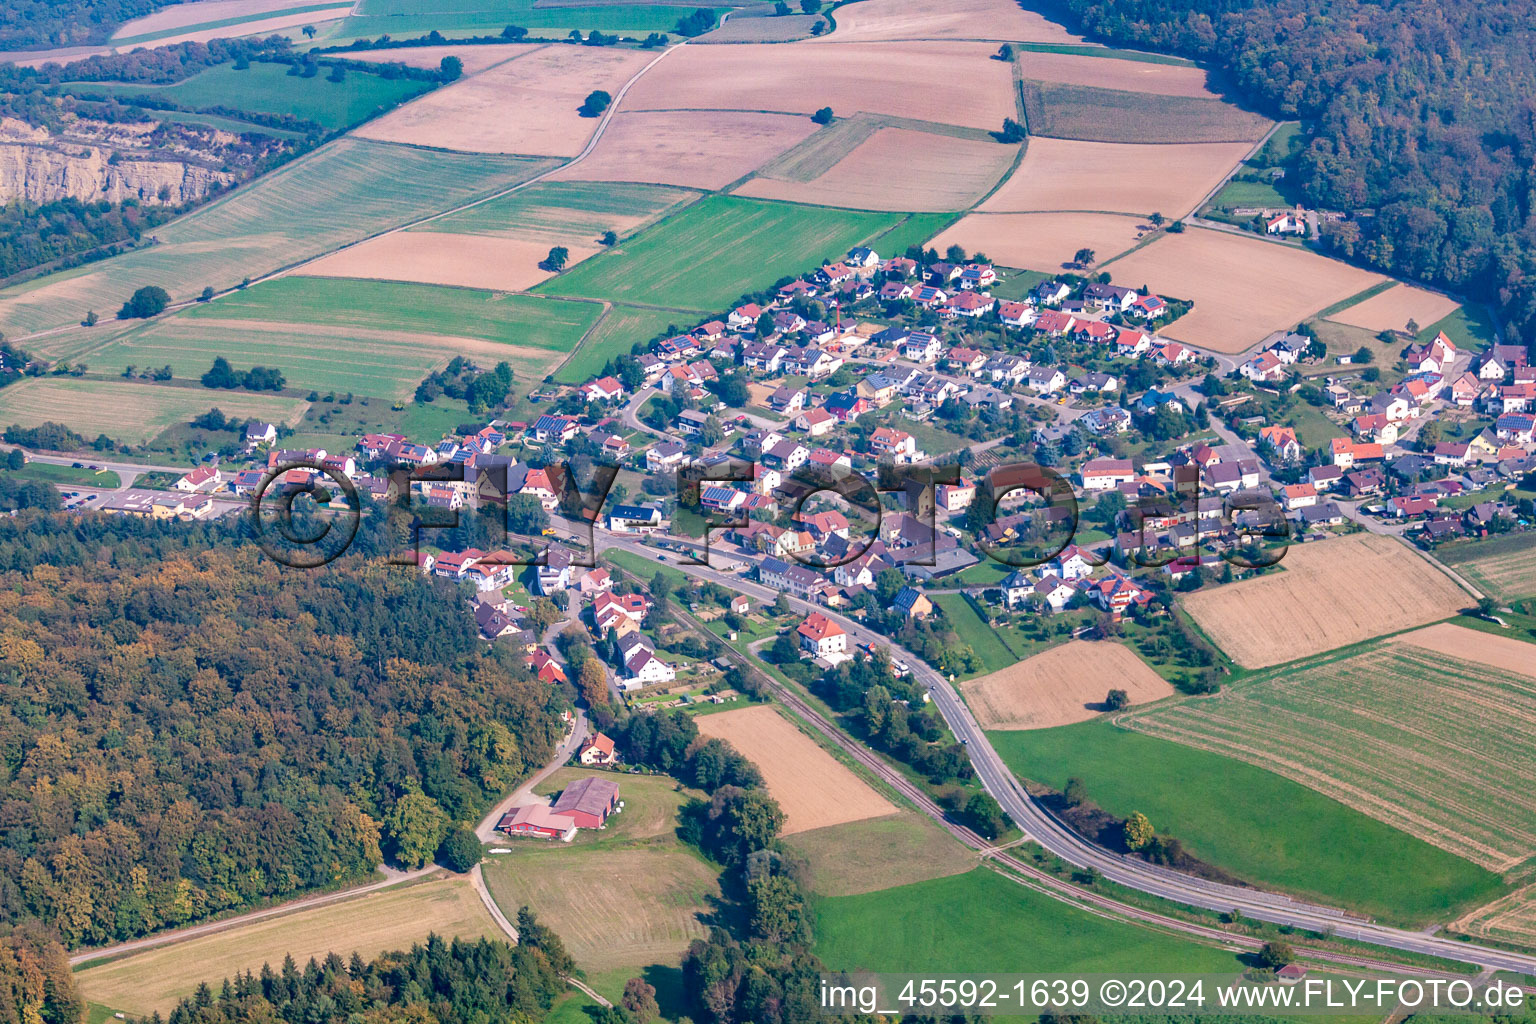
{"type": "Point", "coordinates": [188, 728]}
{"type": "Point", "coordinates": [39, 24]}
{"type": "Point", "coordinates": [1421, 115]}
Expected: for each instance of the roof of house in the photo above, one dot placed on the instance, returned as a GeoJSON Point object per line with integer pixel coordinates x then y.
{"type": "Point", "coordinates": [588, 794]}
{"type": "Point", "coordinates": [818, 627]}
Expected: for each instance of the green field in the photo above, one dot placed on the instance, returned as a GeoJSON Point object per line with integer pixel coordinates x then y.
{"type": "Point", "coordinates": [562, 209]}
{"type": "Point", "coordinates": [130, 412]}
{"type": "Point", "coordinates": [270, 89]}
{"type": "Point", "coordinates": [1265, 829]}
{"type": "Point", "coordinates": [520, 320]}
{"type": "Point", "coordinates": [402, 18]}
{"type": "Point", "coordinates": [1248, 193]}
{"type": "Point", "coordinates": [979, 921]}
{"type": "Point", "coordinates": [709, 254]}
{"type": "Point", "coordinates": [225, 23]}
{"type": "Point", "coordinates": [976, 632]}
{"type": "Point", "coordinates": [619, 329]}
{"type": "Point", "coordinates": [1111, 115]}
{"type": "Point", "coordinates": [341, 193]}
{"type": "Point", "coordinates": [1470, 327]}
{"type": "Point", "coordinates": [1503, 566]}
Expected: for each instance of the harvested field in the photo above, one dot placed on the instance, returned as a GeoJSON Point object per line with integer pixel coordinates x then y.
{"type": "Point", "coordinates": [1442, 748]}
{"type": "Point", "coordinates": [1062, 685]}
{"type": "Point", "coordinates": [697, 149]}
{"type": "Point", "coordinates": [340, 193]}
{"type": "Point", "coordinates": [1111, 73]}
{"type": "Point", "coordinates": [1067, 174]}
{"type": "Point", "coordinates": [475, 58]}
{"type": "Point", "coordinates": [153, 981]}
{"type": "Point", "coordinates": [1503, 567]}
{"type": "Point", "coordinates": [763, 30]}
{"type": "Point", "coordinates": [1511, 919]}
{"type": "Point", "coordinates": [962, 84]}
{"type": "Point", "coordinates": [1243, 288]}
{"type": "Point", "coordinates": [544, 87]}
{"type": "Point", "coordinates": [1329, 594]}
{"type": "Point", "coordinates": [878, 853]}
{"type": "Point", "coordinates": [1392, 309]}
{"type": "Point", "coordinates": [1501, 652]}
{"type": "Point", "coordinates": [612, 906]}
{"type": "Point", "coordinates": [206, 12]}
{"type": "Point", "coordinates": [1044, 241]}
{"type": "Point", "coordinates": [315, 14]}
{"type": "Point", "coordinates": [562, 213]}
{"type": "Point", "coordinates": [813, 789]}
{"type": "Point", "coordinates": [899, 169]}
{"type": "Point", "coordinates": [440, 257]}
{"type": "Point", "coordinates": [1001, 20]}
{"type": "Point", "coordinates": [1114, 115]}
{"type": "Point", "coordinates": [131, 413]}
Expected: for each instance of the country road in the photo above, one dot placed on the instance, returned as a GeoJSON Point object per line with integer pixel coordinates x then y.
{"type": "Point", "coordinates": [1133, 872]}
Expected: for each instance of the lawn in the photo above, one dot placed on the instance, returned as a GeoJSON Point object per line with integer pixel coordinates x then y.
{"type": "Point", "coordinates": [1504, 567]}
{"type": "Point", "coordinates": [1248, 193]}
{"type": "Point", "coordinates": [1470, 327]}
{"type": "Point", "coordinates": [877, 853]}
{"type": "Point", "coordinates": [270, 89]}
{"type": "Point", "coordinates": [981, 922]}
{"type": "Point", "coordinates": [341, 193]}
{"type": "Point", "coordinates": [706, 256]}
{"type": "Point", "coordinates": [518, 320]}
{"type": "Point", "coordinates": [973, 630]}
{"type": "Point", "coordinates": [394, 918]}
{"type": "Point", "coordinates": [64, 476]}
{"type": "Point", "coordinates": [1016, 284]}
{"type": "Point", "coordinates": [1263, 828]}
{"type": "Point", "coordinates": [131, 412]}
{"type": "Point", "coordinates": [618, 330]}
{"type": "Point", "coordinates": [645, 568]}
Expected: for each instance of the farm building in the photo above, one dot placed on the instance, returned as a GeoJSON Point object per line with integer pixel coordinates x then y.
{"type": "Point", "coordinates": [588, 801]}
{"type": "Point", "coordinates": [537, 821]}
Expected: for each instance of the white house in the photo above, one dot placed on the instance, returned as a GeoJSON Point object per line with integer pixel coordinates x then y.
{"type": "Point", "coordinates": [1106, 474]}
{"type": "Point", "coordinates": [821, 636]}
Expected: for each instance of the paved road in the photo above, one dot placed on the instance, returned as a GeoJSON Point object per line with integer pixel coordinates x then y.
{"type": "Point", "coordinates": [1133, 872]}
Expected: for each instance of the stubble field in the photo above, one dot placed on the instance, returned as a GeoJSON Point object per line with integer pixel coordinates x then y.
{"type": "Point", "coordinates": [961, 84]}
{"type": "Point", "coordinates": [812, 788]}
{"type": "Point", "coordinates": [1067, 174]}
{"type": "Point", "coordinates": [1462, 644]}
{"type": "Point", "coordinates": [545, 88]}
{"type": "Point", "coordinates": [1044, 241]}
{"type": "Point", "coordinates": [1503, 567]}
{"type": "Point", "coordinates": [1062, 685]}
{"type": "Point", "coordinates": [1441, 747]}
{"type": "Point", "coordinates": [1067, 111]}
{"type": "Point", "coordinates": [154, 980]}
{"type": "Point", "coordinates": [1000, 20]}
{"type": "Point", "coordinates": [474, 58]}
{"type": "Point", "coordinates": [1112, 73]}
{"type": "Point", "coordinates": [1392, 309]}
{"type": "Point", "coordinates": [444, 258]}
{"type": "Point", "coordinates": [1244, 289]}
{"type": "Point", "coordinates": [1329, 594]}
{"type": "Point", "coordinates": [899, 169]}
{"type": "Point", "coordinates": [705, 149]}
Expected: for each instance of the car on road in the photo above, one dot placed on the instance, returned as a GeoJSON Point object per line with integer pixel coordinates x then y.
{"type": "Point", "coordinates": [77, 465]}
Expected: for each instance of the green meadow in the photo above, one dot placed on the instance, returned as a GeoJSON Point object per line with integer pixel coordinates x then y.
{"type": "Point", "coordinates": [709, 254]}
{"type": "Point", "coordinates": [1263, 828]}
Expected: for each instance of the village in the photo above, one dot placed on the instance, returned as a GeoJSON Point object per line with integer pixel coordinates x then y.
{"type": "Point", "coordinates": [1182, 469]}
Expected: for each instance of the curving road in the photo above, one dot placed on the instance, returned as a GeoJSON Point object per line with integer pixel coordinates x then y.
{"type": "Point", "coordinates": [1134, 873]}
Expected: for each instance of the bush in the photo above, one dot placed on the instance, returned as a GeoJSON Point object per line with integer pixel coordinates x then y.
{"type": "Point", "coordinates": [596, 102]}
{"type": "Point", "coordinates": [151, 300]}
{"type": "Point", "coordinates": [823, 116]}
